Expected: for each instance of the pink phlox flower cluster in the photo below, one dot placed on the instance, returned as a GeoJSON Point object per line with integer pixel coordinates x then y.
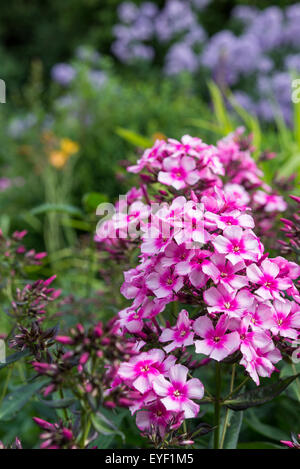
{"type": "Point", "coordinates": [200, 247]}
{"type": "Point", "coordinates": [166, 395]}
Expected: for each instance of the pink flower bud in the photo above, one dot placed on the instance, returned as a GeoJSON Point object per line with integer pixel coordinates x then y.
{"type": "Point", "coordinates": [63, 339]}
{"type": "Point", "coordinates": [43, 424]}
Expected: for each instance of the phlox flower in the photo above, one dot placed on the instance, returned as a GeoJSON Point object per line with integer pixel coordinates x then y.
{"type": "Point", "coordinates": [260, 316]}
{"type": "Point", "coordinates": [231, 302]}
{"type": "Point", "coordinates": [211, 161]}
{"type": "Point", "coordinates": [238, 245]}
{"type": "Point", "coordinates": [193, 267]}
{"type": "Point", "coordinates": [158, 417]}
{"type": "Point", "coordinates": [188, 145]}
{"type": "Point", "coordinates": [143, 368]}
{"type": "Point", "coordinates": [177, 393]}
{"type": "Point", "coordinates": [286, 319]}
{"type": "Point", "coordinates": [249, 340]}
{"type": "Point", "coordinates": [181, 334]}
{"type": "Point", "coordinates": [137, 212]}
{"type": "Point", "coordinates": [134, 282]}
{"type": "Point", "coordinates": [190, 226]}
{"type": "Point", "coordinates": [262, 362]}
{"type": "Point", "coordinates": [140, 401]}
{"type": "Point", "coordinates": [131, 320]}
{"type": "Point", "coordinates": [179, 172]}
{"type": "Point", "coordinates": [164, 282]}
{"type": "Point", "coordinates": [287, 268]}
{"type": "Point", "coordinates": [236, 196]}
{"type": "Point", "coordinates": [154, 241]}
{"type": "Point", "coordinates": [151, 158]}
{"type": "Point", "coordinates": [216, 343]}
{"type": "Point", "coordinates": [221, 271]}
{"type": "Point", "coordinates": [214, 200]}
{"type": "Point", "coordinates": [270, 202]}
{"type": "Point", "coordinates": [267, 276]}
{"type": "Point", "coordinates": [233, 218]}
{"type": "Point", "coordinates": [175, 254]}
{"type": "Point", "coordinates": [171, 213]}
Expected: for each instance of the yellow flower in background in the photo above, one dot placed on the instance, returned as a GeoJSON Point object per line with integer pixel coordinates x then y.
{"type": "Point", "coordinates": [68, 146]}
{"type": "Point", "coordinates": [58, 159]}
{"type": "Point", "coordinates": [158, 136]}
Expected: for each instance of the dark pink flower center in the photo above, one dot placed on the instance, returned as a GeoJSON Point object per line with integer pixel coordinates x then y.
{"type": "Point", "coordinates": [178, 173]}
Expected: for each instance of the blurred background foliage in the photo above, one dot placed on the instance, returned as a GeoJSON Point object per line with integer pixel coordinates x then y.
{"type": "Point", "coordinates": [65, 144]}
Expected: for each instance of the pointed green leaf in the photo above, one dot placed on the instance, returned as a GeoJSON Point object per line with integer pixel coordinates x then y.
{"type": "Point", "coordinates": [220, 109]}
{"type": "Point", "coordinates": [259, 445]}
{"type": "Point", "coordinates": [14, 358]}
{"type": "Point", "coordinates": [91, 200]}
{"type": "Point", "coordinates": [104, 426]}
{"type": "Point", "coordinates": [259, 395]}
{"type": "Point", "coordinates": [59, 404]}
{"type": "Point", "coordinates": [263, 429]}
{"type": "Point", "coordinates": [59, 208]}
{"type": "Point", "coordinates": [134, 138]}
{"type": "Point", "coordinates": [233, 430]}
{"type": "Point", "coordinates": [16, 400]}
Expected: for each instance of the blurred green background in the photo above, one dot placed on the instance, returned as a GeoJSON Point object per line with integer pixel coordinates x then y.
{"type": "Point", "coordinates": [64, 149]}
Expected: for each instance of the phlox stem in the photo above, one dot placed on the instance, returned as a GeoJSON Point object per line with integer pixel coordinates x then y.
{"type": "Point", "coordinates": [217, 406]}
{"type": "Point", "coordinates": [227, 410]}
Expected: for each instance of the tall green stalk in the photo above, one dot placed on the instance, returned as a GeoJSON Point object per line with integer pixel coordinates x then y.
{"type": "Point", "coordinates": [217, 406]}
{"type": "Point", "coordinates": [227, 410]}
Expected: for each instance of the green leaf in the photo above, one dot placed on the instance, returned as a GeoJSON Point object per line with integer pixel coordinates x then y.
{"type": "Point", "coordinates": [263, 429]}
{"type": "Point", "coordinates": [134, 138]}
{"type": "Point", "coordinates": [290, 166]}
{"type": "Point", "coordinates": [202, 124]}
{"type": "Point", "coordinates": [233, 430]}
{"type": "Point", "coordinates": [17, 399]}
{"type": "Point", "coordinates": [93, 199]}
{"type": "Point", "coordinates": [77, 224]}
{"type": "Point", "coordinates": [5, 223]}
{"type": "Point", "coordinates": [60, 208]}
{"type": "Point", "coordinates": [14, 358]}
{"type": "Point", "coordinates": [289, 369]}
{"type": "Point", "coordinates": [259, 395]}
{"type": "Point", "coordinates": [258, 445]}
{"type": "Point", "coordinates": [104, 426]}
{"type": "Point", "coordinates": [105, 441]}
{"type": "Point", "coordinates": [59, 404]}
{"type": "Point", "coordinates": [251, 122]}
{"type": "Point", "coordinates": [220, 109]}
{"type": "Point", "coordinates": [296, 106]}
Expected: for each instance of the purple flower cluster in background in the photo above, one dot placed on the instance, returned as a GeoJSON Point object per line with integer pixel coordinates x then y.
{"type": "Point", "coordinates": [255, 57]}
{"type": "Point", "coordinates": [176, 27]}
{"type": "Point", "coordinates": [64, 74]}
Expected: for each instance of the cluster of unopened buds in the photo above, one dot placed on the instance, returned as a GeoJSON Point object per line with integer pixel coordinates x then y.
{"type": "Point", "coordinates": [55, 435]}
{"type": "Point", "coordinates": [95, 353]}
{"type": "Point", "coordinates": [14, 255]}
{"type": "Point", "coordinates": [198, 246]}
{"type": "Point", "coordinates": [29, 308]}
{"type": "Point", "coordinates": [31, 302]}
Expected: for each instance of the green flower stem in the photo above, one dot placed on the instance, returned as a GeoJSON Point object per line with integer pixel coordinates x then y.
{"type": "Point", "coordinates": [86, 430]}
{"type": "Point", "coordinates": [236, 389]}
{"type": "Point", "coordinates": [227, 410]}
{"type": "Point", "coordinates": [5, 386]}
{"type": "Point", "coordinates": [217, 406]}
